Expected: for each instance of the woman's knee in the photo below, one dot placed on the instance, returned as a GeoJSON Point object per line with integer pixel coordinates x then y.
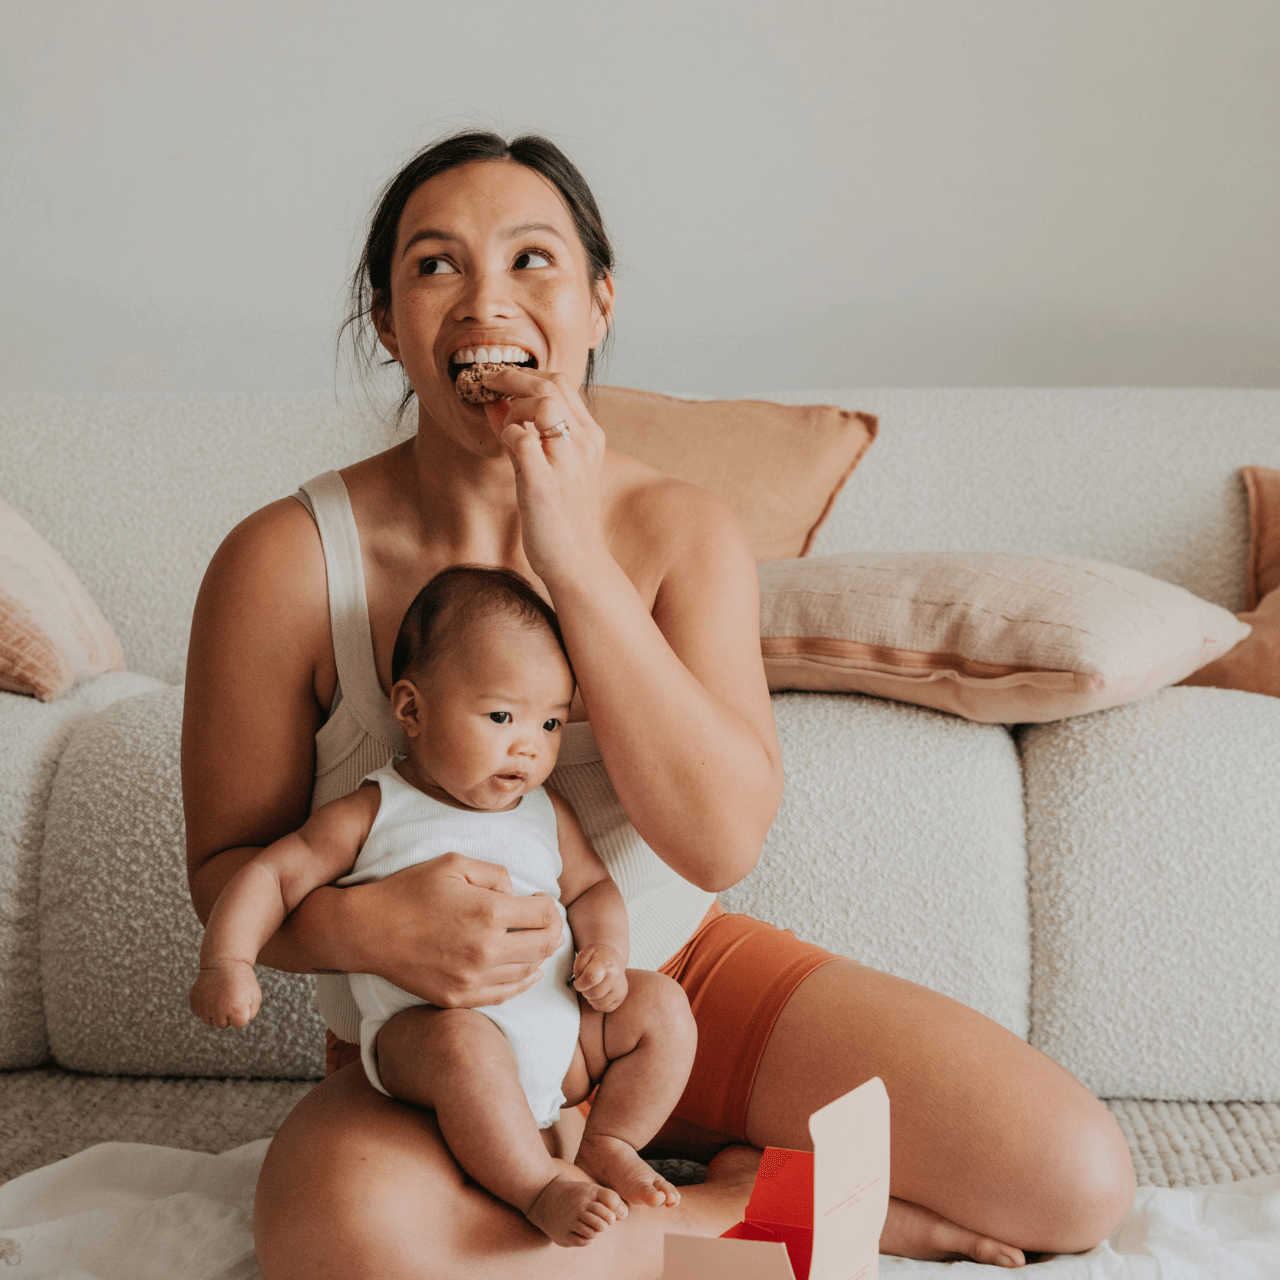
{"type": "Point", "coordinates": [1090, 1185]}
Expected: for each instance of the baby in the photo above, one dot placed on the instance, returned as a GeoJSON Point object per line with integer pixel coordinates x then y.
{"type": "Point", "coordinates": [482, 690]}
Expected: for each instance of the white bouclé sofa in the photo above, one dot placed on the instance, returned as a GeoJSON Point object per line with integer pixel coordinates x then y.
{"type": "Point", "coordinates": [1105, 886]}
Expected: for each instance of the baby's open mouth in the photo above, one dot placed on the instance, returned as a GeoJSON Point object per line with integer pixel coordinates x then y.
{"type": "Point", "coordinates": [467, 366]}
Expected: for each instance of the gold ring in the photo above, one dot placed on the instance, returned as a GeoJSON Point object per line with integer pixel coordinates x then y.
{"type": "Point", "coordinates": [552, 433]}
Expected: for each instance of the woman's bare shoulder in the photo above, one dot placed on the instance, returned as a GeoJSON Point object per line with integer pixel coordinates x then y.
{"type": "Point", "coordinates": [658, 511]}
{"type": "Point", "coordinates": [276, 549]}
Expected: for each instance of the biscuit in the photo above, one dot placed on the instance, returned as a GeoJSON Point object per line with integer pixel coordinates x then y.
{"type": "Point", "coordinates": [471, 389]}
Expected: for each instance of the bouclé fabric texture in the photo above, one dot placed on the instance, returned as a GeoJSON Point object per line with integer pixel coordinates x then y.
{"type": "Point", "coordinates": [1166, 801]}
{"type": "Point", "coordinates": [119, 940]}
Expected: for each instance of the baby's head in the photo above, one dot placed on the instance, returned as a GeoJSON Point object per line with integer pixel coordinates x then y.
{"type": "Point", "coordinates": [482, 686]}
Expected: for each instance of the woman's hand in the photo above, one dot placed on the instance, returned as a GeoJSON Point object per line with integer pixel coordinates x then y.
{"type": "Point", "coordinates": [453, 932]}
{"type": "Point", "coordinates": [559, 478]}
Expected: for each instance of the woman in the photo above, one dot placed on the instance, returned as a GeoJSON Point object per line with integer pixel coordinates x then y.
{"type": "Point", "coordinates": [995, 1149]}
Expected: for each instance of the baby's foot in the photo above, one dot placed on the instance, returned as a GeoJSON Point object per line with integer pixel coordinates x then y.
{"type": "Point", "coordinates": [573, 1211]}
{"type": "Point", "coordinates": [616, 1164]}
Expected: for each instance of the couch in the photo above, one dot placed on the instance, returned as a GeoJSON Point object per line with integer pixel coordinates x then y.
{"type": "Point", "coordinates": [1104, 886]}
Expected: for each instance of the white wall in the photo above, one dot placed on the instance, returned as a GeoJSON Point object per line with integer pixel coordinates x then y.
{"type": "Point", "coordinates": [808, 194]}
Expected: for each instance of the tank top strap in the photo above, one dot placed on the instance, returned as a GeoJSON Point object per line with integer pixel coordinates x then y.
{"type": "Point", "coordinates": [326, 498]}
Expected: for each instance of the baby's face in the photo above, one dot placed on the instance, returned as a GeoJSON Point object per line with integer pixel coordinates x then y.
{"type": "Point", "coordinates": [493, 712]}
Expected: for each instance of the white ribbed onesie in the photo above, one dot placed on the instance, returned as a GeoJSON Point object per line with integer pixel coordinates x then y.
{"type": "Point", "coordinates": [361, 734]}
{"type": "Point", "coordinates": [540, 1024]}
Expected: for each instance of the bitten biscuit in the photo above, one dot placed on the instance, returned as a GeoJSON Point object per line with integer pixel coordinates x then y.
{"type": "Point", "coordinates": [471, 389]}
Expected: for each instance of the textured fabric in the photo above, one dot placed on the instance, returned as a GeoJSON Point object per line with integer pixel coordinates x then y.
{"type": "Point", "coordinates": [132, 1212]}
{"type": "Point", "coordinates": [1254, 664]}
{"type": "Point", "coordinates": [663, 909]}
{"type": "Point", "coordinates": [1152, 833]}
{"type": "Point", "coordinates": [777, 469]}
{"type": "Point", "coordinates": [1140, 477]}
{"type": "Point", "coordinates": [738, 973]}
{"type": "Point", "coordinates": [541, 1024]}
{"type": "Point", "coordinates": [119, 941]}
{"type": "Point", "coordinates": [51, 632]}
{"type": "Point", "coordinates": [899, 843]}
{"type": "Point", "coordinates": [993, 637]}
{"type": "Point", "coordinates": [48, 1113]}
{"type": "Point", "coordinates": [32, 737]}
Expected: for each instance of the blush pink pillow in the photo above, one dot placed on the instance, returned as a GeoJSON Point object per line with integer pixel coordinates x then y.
{"type": "Point", "coordinates": [51, 632]}
{"type": "Point", "coordinates": [1003, 639]}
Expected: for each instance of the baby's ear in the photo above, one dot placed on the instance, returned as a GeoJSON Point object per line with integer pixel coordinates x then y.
{"type": "Point", "coordinates": [407, 707]}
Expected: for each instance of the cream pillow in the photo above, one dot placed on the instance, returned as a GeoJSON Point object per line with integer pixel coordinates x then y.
{"type": "Point", "coordinates": [992, 637]}
{"type": "Point", "coordinates": [51, 632]}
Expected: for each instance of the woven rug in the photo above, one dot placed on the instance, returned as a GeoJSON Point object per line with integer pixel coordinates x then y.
{"type": "Point", "coordinates": [47, 1114]}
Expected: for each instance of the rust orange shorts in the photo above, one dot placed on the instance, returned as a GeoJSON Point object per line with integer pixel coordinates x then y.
{"type": "Point", "coordinates": [738, 974]}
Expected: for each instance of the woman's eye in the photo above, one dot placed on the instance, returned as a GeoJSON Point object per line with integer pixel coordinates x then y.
{"type": "Point", "coordinates": [435, 267]}
{"type": "Point", "coordinates": [500, 717]}
{"type": "Point", "coordinates": [531, 258]}
{"type": "Point", "coordinates": [551, 725]}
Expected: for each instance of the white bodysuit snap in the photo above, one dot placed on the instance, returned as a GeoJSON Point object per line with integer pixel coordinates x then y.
{"type": "Point", "coordinates": [540, 1024]}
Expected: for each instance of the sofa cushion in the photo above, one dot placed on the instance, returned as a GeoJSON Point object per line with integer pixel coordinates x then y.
{"type": "Point", "coordinates": [1152, 839]}
{"type": "Point", "coordinates": [990, 636]}
{"type": "Point", "coordinates": [778, 468]}
{"type": "Point", "coordinates": [32, 737]}
{"type": "Point", "coordinates": [119, 940]}
{"type": "Point", "coordinates": [51, 632]}
{"type": "Point", "coordinates": [899, 843]}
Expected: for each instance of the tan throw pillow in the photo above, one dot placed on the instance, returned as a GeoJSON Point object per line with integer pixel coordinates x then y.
{"type": "Point", "coordinates": [777, 467]}
{"type": "Point", "coordinates": [998, 638]}
{"type": "Point", "coordinates": [1254, 664]}
{"type": "Point", "coordinates": [51, 632]}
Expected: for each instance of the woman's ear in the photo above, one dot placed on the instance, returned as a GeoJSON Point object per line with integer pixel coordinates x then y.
{"type": "Point", "coordinates": [380, 314]}
{"type": "Point", "coordinates": [603, 293]}
{"type": "Point", "coordinates": [408, 707]}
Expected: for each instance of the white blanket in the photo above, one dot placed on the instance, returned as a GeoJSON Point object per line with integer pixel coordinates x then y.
{"type": "Point", "coordinates": [124, 1211]}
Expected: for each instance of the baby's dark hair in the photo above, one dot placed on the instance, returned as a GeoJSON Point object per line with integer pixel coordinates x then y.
{"type": "Point", "coordinates": [461, 595]}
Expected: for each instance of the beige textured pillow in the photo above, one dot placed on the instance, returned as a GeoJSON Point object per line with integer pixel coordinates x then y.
{"type": "Point", "coordinates": [997, 638]}
{"type": "Point", "coordinates": [777, 467]}
{"type": "Point", "coordinates": [51, 632]}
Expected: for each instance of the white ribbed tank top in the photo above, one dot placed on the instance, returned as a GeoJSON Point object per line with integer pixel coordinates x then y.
{"type": "Point", "coordinates": [361, 735]}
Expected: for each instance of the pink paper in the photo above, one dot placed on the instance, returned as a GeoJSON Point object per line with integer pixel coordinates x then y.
{"type": "Point", "coordinates": [811, 1216]}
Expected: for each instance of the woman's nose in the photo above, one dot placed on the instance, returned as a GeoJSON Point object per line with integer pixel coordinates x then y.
{"type": "Point", "coordinates": [486, 296]}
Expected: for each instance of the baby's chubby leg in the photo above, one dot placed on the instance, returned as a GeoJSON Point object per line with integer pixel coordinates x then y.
{"type": "Point", "coordinates": [642, 1054]}
{"type": "Point", "coordinates": [459, 1063]}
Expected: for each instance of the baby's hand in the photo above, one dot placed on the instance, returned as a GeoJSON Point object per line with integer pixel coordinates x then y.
{"type": "Point", "coordinates": [600, 976]}
{"type": "Point", "coordinates": [227, 994]}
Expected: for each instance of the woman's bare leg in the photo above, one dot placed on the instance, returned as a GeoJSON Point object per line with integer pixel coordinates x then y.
{"type": "Point", "coordinates": [358, 1187]}
{"type": "Point", "coordinates": [992, 1143]}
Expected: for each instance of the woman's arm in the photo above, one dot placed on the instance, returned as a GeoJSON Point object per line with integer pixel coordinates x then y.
{"type": "Point", "coordinates": [259, 669]}
{"type": "Point", "coordinates": [677, 697]}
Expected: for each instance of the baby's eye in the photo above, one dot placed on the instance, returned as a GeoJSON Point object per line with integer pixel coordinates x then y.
{"type": "Point", "coordinates": [551, 725]}
{"type": "Point", "coordinates": [531, 258]}
{"type": "Point", "coordinates": [435, 267]}
{"type": "Point", "coordinates": [500, 717]}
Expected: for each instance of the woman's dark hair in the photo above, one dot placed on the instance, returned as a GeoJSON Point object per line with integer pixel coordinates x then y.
{"type": "Point", "coordinates": [461, 595]}
{"type": "Point", "coordinates": [371, 283]}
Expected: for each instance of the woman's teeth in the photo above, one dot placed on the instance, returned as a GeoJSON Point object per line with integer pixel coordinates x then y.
{"type": "Point", "coordinates": [490, 355]}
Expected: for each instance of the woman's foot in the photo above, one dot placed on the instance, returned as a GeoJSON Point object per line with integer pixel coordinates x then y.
{"type": "Point", "coordinates": [616, 1164]}
{"type": "Point", "coordinates": [912, 1231]}
{"type": "Point", "coordinates": [571, 1211]}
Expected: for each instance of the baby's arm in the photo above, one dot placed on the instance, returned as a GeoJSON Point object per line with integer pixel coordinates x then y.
{"type": "Point", "coordinates": [597, 915]}
{"type": "Point", "coordinates": [257, 898]}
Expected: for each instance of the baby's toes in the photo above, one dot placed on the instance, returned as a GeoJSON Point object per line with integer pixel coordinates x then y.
{"type": "Point", "coordinates": [667, 1192]}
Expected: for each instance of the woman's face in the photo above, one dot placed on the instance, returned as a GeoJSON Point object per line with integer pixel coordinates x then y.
{"type": "Point", "coordinates": [487, 256]}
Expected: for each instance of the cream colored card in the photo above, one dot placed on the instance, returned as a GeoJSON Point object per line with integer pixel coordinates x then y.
{"type": "Point", "coordinates": [846, 1181]}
